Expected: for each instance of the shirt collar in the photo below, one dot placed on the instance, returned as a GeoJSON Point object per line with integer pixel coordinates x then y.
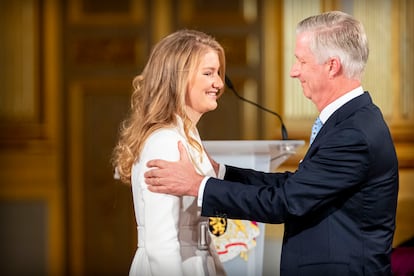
{"type": "Point", "coordinates": [335, 105]}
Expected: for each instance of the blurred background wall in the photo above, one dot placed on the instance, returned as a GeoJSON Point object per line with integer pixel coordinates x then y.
{"type": "Point", "coordinates": [65, 75]}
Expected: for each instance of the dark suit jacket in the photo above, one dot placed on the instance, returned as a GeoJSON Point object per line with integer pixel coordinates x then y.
{"type": "Point", "coordinates": [338, 207]}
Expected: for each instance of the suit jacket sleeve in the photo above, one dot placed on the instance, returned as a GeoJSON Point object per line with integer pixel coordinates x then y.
{"type": "Point", "coordinates": [337, 165]}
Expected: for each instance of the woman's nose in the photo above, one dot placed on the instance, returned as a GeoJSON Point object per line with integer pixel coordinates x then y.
{"type": "Point", "coordinates": [218, 83]}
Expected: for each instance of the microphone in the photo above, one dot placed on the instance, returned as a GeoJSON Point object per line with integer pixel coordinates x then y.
{"type": "Point", "coordinates": [231, 86]}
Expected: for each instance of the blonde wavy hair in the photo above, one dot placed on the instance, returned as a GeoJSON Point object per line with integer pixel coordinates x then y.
{"type": "Point", "coordinates": [159, 94]}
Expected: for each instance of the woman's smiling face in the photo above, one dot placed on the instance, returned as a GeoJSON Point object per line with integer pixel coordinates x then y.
{"type": "Point", "coordinates": [204, 87]}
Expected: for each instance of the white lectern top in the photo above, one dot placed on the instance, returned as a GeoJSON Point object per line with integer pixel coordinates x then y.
{"type": "Point", "coordinates": [263, 155]}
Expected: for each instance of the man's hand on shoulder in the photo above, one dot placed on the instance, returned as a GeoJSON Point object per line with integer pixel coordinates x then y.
{"type": "Point", "coordinates": [176, 178]}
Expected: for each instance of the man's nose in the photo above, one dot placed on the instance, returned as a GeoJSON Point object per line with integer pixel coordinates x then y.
{"type": "Point", "coordinates": [294, 72]}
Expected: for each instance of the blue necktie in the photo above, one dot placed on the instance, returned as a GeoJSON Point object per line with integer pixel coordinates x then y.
{"type": "Point", "coordinates": [315, 129]}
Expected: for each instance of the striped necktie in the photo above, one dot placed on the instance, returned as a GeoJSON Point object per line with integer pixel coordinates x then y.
{"type": "Point", "coordinates": [315, 129]}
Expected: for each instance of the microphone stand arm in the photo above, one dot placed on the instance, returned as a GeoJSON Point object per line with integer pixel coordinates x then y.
{"type": "Point", "coordinates": [283, 130]}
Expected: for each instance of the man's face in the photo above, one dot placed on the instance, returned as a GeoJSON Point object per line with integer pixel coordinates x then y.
{"type": "Point", "coordinates": [312, 75]}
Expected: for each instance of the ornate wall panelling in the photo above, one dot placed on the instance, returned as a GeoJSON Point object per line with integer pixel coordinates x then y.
{"type": "Point", "coordinates": [106, 39]}
{"type": "Point", "coordinates": [22, 99]}
{"type": "Point", "coordinates": [102, 224]}
{"type": "Point", "coordinates": [272, 66]}
{"type": "Point", "coordinates": [106, 45]}
{"type": "Point", "coordinates": [31, 234]}
{"type": "Point", "coordinates": [107, 13]}
{"type": "Point", "coordinates": [31, 203]}
{"type": "Point", "coordinates": [378, 77]}
{"type": "Point", "coordinates": [406, 57]}
{"type": "Point", "coordinates": [402, 124]}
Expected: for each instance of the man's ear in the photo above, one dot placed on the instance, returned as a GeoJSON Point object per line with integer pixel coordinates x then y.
{"type": "Point", "coordinates": [335, 66]}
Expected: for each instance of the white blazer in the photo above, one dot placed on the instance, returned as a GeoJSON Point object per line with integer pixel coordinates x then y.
{"type": "Point", "coordinates": [168, 226]}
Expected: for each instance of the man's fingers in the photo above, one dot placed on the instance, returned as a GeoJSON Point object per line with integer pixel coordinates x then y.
{"type": "Point", "coordinates": [183, 152]}
{"type": "Point", "coordinates": [152, 176]}
{"type": "Point", "coordinates": [155, 163]}
{"type": "Point", "coordinates": [154, 188]}
{"type": "Point", "coordinates": [150, 173]}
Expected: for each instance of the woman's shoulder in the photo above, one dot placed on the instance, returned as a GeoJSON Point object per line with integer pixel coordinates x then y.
{"type": "Point", "coordinates": [165, 136]}
{"type": "Point", "coordinates": [163, 143]}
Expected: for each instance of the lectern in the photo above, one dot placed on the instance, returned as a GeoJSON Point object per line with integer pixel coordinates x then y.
{"type": "Point", "coordinates": [261, 155]}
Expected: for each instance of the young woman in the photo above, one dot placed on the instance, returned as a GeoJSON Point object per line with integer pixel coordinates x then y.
{"type": "Point", "coordinates": [181, 81]}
